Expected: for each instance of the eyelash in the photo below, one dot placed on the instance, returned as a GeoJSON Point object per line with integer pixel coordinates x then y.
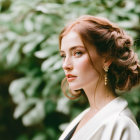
{"type": "Point", "coordinates": [78, 52]}
{"type": "Point", "coordinates": [74, 54]}
{"type": "Point", "coordinates": [62, 56]}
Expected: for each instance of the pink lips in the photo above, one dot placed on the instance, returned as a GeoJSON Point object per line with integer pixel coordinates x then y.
{"type": "Point", "coordinates": [70, 77]}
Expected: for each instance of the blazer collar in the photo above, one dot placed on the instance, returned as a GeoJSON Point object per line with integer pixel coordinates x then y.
{"type": "Point", "coordinates": [112, 108]}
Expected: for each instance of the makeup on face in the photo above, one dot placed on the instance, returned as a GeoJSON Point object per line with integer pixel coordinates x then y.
{"type": "Point", "coordinates": [77, 67]}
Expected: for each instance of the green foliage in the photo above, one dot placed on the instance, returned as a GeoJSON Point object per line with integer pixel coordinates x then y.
{"type": "Point", "coordinates": [29, 45]}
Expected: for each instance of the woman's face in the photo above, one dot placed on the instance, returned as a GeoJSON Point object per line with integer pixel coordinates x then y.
{"type": "Point", "coordinates": [77, 63]}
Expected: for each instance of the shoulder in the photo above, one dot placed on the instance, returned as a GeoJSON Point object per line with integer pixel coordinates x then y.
{"type": "Point", "coordinates": [123, 127]}
{"type": "Point", "coordinates": [127, 118]}
{"type": "Point", "coordinates": [125, 122]}
{"type": "Point", "coordinates": [124, 117]}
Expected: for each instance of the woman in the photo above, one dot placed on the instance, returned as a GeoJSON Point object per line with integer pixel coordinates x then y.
{"type": "Point", "coordinates": [98, 60]}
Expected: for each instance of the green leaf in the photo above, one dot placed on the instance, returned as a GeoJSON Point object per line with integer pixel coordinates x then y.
{"type": "Point", "coordinates": [17, 85]}
{"type": "Point", "coordinates": [39, 136]}
{"type": "Point", "coordinates": [49, 8]}
{"type": "Point", "coordinates": [34, 116]}
{"type": "Point", "coordinates": [23, 107]}
{"type": "Point", "coordinates": [44, 53]}
{"type": "Point", "coordinates": [32, 87]}
{"type": "Point", "coordinates": [49, 62]}
{"type": "Point", "coordinates": [13, 58]}
{"type": "Point", "coordinates": [29, 24]}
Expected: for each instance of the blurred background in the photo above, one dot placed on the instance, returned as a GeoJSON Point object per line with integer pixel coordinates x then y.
{"type": "Point", "coordinates": [32, 105]}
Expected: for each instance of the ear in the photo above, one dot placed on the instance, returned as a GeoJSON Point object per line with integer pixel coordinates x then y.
{"type": "Point", "coordinates": [107, 62]}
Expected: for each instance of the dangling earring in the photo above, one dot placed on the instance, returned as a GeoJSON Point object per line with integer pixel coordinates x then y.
{"type": "Point", "coordinates": [106, 70]}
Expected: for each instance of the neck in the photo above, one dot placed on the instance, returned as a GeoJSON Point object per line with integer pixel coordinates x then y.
{"type": "Point", "coordinates": [98, 95]}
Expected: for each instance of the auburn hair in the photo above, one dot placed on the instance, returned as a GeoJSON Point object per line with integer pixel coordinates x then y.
{"type": "Point", "coordinates": [110, 40]}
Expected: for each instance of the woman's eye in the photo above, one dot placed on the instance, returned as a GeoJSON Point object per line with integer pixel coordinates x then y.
{"type": "Point", "coordinates": [78, 53]}
{"type": "Point", "coordinates": [63, 56]}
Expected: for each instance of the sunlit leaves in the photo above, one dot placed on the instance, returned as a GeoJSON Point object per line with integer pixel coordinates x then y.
{"type": "Point", "coordinates": [29, 44]}
{"type": "Point", "coordinates": [35, 115]}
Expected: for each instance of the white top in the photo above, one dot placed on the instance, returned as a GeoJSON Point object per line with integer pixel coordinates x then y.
{"type": "Point", "coordinates": [113, 122]}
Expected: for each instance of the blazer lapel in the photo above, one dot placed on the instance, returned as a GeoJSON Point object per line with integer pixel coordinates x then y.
{"type": "Point", "coordinates": [73, 124]}
{"type": "Point", "coordinates": [112, 108]}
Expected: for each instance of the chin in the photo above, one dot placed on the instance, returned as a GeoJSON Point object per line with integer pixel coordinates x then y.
{"type": "Point", "coordinates": [74, 87]}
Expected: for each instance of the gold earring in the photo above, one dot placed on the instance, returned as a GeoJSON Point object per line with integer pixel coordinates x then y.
{"type": "Point", "coordinates": [106, 70]}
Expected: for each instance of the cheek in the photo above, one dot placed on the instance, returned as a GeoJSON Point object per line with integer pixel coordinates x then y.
{"type": "Point", "coordinates": [81, 62]}
{"type": "Point", "coordinates": [84, 66]}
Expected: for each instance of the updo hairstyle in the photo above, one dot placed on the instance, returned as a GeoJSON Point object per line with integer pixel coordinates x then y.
{"type": "Point", "coordinates": [108, 39]}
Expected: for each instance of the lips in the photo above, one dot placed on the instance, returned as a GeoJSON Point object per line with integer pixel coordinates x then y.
{"type": "Point", "coordinates": [70, 77]}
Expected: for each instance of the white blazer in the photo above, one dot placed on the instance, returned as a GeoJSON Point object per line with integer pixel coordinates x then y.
{"type": "Point", "coordinates": [113, 122]}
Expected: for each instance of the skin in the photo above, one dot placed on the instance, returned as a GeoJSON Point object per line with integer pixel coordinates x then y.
{"type": "Point", "coordinates": [76, 62]}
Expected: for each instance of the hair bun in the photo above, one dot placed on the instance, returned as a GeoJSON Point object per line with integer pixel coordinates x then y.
{"type": "Point", "coordinates": [125, 70]}
{"type": "Point", "coordinates": [122, 39]}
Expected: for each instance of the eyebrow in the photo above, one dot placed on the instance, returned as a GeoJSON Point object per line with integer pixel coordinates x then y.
{"type": "Point", "coordinates": [73, 48]}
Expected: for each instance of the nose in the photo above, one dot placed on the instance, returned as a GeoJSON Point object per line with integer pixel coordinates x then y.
{"type": "Point", "coordinates": [67, 64]}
